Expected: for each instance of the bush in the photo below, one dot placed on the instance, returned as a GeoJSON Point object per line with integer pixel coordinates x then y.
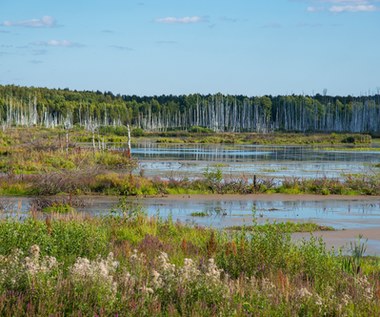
{"type": "Point", "coordinates": [198, 129]}
{"type": "Point", "coordinates": [137, 132]}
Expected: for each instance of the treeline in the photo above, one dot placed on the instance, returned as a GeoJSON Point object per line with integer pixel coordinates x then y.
{"type": "Point", "coordinates": [27, 106]}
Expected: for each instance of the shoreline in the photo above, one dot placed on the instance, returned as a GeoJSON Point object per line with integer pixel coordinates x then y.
{"type": "Point", "coordinates": [343, 239]}
{"type": "Point", "coordinates": [262, 197]}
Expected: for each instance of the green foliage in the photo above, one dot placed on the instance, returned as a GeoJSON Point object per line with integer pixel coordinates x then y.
{"type": "Point", "coordinates": [119, 130]}
{"type": "Point", "coordinates": [59, 208]}
{"type": "Point", "coordinates": [353, 264]}
{"type": "Point", "coordinates": [287, 227]}
{"type": "Point", "coordinates": [214, 178]}
{"type": "Point", "coordinates": [66, 240]}
{"type": "Point", "coordinates": [199, 214]}
{"type": "Point", "coordinates": [137, 132]}
{"type": "Point", "coordinates": [114, 160]}
{"type": "Point", "coordinates": [309, 113]}
{"type": "Point", "coordinates": [197, 129]}
{"type": "Point", "coordinates": [146, 266]}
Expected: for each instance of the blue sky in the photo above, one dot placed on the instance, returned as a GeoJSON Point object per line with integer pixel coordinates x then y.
{"type": "Point", "coordinates": [154, 47]}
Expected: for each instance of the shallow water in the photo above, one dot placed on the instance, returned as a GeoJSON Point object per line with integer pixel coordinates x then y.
{"type": "Point", "coordinates": [348, 214]}
{"type": "Point", "coordinates": [341, 214]}
{"type": "Point", "coordinates": [184, 160]}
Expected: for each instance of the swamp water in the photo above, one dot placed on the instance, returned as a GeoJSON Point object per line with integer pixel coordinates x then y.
{"type": "Point", "coordinates": [184, 160]}
{"type": "Point", "coordinates": [344, 215]}
{"type": "Point", "coordinates": [191, 160]}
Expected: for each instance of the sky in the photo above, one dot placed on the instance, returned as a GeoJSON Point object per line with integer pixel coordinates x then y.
{"type": "Point", "coordinates": [155, 47]}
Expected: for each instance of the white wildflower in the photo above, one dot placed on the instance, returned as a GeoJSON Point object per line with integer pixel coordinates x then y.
{"type": "Point", "coordinates": [147, 290]}
{"type": "Point", "coordinates": [156, 279]}
{"type": "Point", "coordinates": [267, 285]}
{"type": "Point", "coordinates": [34, 251]}
{"type": "Point", "coordinates": [31, 265]}
{"type": "Point", "coordinates": [99, 271]}
{"type": "Point", "coordinates": [363, 283]}
{"type": "Point", "coordinates": [346, 299]}
{"type": "Point", "coordinates": [50, 262]}
{"type": "Point", "coordinates": [34, 264]}
{"type": "Point", "coordinates": [318, 300]}
{"type": "Point", "coordinates": [212, 271]}
{"type": "Point", "coordinates": [165, 265]}
{"type": "Point", "coordinates": [304, 293]}
{"type": "Point", "coordinates": [134, 256]}
{"type": "Point", "coordinates": [137, 259]}
{"type": "Point", "coordinates": [127, 280]}
{"type": "Point", "coordinates": [189, 271]}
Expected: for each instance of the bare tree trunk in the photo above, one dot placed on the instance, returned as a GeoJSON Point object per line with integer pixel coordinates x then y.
{"type": "Point", "coordinates": [129, 142]}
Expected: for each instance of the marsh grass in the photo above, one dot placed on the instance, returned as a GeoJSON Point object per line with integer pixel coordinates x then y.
{"type": "Point", "coordinates": [200, 214]}
{"type": "Point", "coordinates": [139, 266]}
{"type": "Point", "coordinates": [94, 180]}
{"type": "Point", "coordinates": [288, 227]}
{"type": "Point", "coordinates": [39, 162]}
{"type": "Point", "coordinates": [207, 137]}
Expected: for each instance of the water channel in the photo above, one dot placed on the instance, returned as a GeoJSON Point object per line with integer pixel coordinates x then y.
{"type": "Point", "coordinates": [191, 160]}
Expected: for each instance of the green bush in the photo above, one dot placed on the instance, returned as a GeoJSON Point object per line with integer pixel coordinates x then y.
{"type": "Point", "coordinates": [66, 240]}
{"type": "Point", "coordinates": [198, 129]}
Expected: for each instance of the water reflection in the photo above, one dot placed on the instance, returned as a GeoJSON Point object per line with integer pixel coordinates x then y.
{"type": "Point", "coordinates": [247, 153]}
{"type": "Point", "coordinates": [342, 214]}
{"type": "Point", "coordinates": [183, 160]}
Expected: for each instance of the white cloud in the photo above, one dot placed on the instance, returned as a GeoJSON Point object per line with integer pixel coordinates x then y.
{"type": "Point", "coordinates": [353, 8]}
{"type": "Point", "coordinates": [57, 43]}
{"type": "Point", "coordinates": [315, 9]}
{"type": "Point", "coordinates": [44, 22]}
{"type": "Point", "coordinates": [183, 20]}
{"type": "Point", "coordinates": [340, 6]}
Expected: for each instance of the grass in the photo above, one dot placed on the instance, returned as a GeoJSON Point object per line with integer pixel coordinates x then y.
{"type": "Point", "coordinates": [350, 149]}
{"type": "Point", "coordinates": [257, 138]}
{"type": "Point", "coordinates": [138, 266]}
{"type": "Point", "coordinates": [97, 181]}
{"type": "Point", "coordinates": [289, 227]}
{"type": "Point", "coordinates": [39, 162]}
{"type": "Point", "coordinates": [199, 214]}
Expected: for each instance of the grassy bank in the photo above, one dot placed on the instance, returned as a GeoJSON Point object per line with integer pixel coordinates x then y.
{"type": "Point", "coordinates": [262, 139]}
{"type": "Point", "coordinates": [57, 137]}
{"type": "Point", "coordinates": [136, 266]}
{"type": "Point", "coordinates": [92, 181]}
{"type": "Point", "coordinates": [48, 162]}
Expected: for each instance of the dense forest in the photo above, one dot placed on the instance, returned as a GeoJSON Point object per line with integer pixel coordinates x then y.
{"type": "Point", "coordinates": [28, 106]}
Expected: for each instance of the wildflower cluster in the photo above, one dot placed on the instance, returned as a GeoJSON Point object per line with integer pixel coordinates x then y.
{"type": "Point", "coordinates": [17, 271]}
{"type": "Point", "coordinates": [244, 277]}
{"type": "Point", "coordinates": [98, 273]}
{"type": "Point", "coordinates": [35, 264]}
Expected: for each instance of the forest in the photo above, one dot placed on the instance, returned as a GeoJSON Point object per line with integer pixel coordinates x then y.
{"type": "Point", "coordinates": [30, 106]}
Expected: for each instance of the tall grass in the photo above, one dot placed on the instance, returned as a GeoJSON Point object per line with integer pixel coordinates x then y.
{"type": "Point", "coordinates": [138, 266]}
